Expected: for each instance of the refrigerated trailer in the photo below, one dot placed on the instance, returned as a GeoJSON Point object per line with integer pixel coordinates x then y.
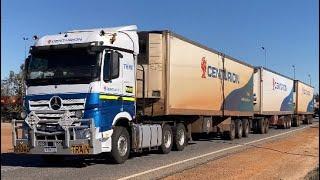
{"type": "Point", "coordinates": [117, 90]}
{"type": "Point", "coordinates": [273, 99]}
{"type": "Point", "coordinates": [189, 83]}
{"type": "Point", "coordinates": [303, 103]}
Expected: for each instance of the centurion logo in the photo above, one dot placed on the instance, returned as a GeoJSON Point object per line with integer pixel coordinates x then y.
{"type": "Point", "coordinates": [214, 72]}
{"type": "Point", "coordinates": [278, 86]}
{"type": "Point", "coordinates": [59, 41]}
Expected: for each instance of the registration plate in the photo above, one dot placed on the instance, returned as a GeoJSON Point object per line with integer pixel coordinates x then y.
{"type": "Point", "coordinates": [50, 149]}
{"type": "Point", "coordinates": [80, 149]}
{"type": "Point", "coordinates": [21, 148]}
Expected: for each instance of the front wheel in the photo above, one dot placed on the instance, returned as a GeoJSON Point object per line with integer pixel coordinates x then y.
{"type": "Point", "coordinates": [120, 144]}
{"type": "Point", "coordinates": [167, 139]}
{"type": "Point", "coordinates": [246, 128]}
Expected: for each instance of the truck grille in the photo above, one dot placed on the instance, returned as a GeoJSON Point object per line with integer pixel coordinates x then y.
{"type": "Point", "coordinates": [43, 110]}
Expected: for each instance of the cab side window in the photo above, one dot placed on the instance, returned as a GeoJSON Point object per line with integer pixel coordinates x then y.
{"type": "Point", "coordinates": [111, 67]}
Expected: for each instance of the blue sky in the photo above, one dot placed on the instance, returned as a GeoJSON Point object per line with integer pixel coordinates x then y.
{"type": "Point", "coordinates": [288, 29]}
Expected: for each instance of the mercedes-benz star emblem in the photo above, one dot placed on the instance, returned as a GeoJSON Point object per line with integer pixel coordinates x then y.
{"type": "Point", "coordinates": [55, 103]}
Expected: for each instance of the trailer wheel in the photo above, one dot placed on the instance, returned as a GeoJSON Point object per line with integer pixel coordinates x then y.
{"type": "Point", "coordinates": [120, 144]}
{"type": "Point", "coordinates": [261, 125]}
{"type": "Point", "coordinates": [289, 123]}
{"type": "Point", "coordinates": [266, 129]}
{"type": "Point", "coordinates": [180, 137]}
{"type": "Point", "coordinates": [230, 135]}
{"type": "Point", "coordinates": [238, 128]}
{"type": "Point", "coordinates": [295, 122]}
{"type": "Point", "coordinates": [246, 128]}
{"type": "Point", "coordinates": [167, 139]}
{"type": "Point", "coordinates": [310, 119]}
{"type": "Point", "coordinates": [298, 121]}
{"type": "Point", "coordinates": [285, 124]}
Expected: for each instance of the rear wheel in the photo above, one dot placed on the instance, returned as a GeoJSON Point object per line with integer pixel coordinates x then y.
{"type": "Point", "coordinates": [246, 128]}
{"type": "Point", "coordinates": [180, 138]}
{"type": "Point", "coordinates": [261, 126]}
{"type": "Point", "coordinates": [230, 135]}
{"type": "Point", "coordinates": [310, 120]}
{"type": "Point", "coordinates": [285, 123]}
{"type": "Point", "coordinates": [120, 144]}
{"type": "Point", "coordinates": [167, 139]}
{"type": "Point", "coordinates": [295, 122]}
{"type": "Point", "coordinates": [298, 121]}
{"type": "Point", "coordinates": [266, 129]}
{"type": "Point", "coordinates": [239, 128]}
{"type": "Point", "coordinates": [289, 122]}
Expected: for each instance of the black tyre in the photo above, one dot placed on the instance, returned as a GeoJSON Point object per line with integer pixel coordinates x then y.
{"type": "Point", "coordinates": [295, 122]}
{"type": "Point", "coordinates": [310, 120]}
{"type": "Point", "coordinates": [298, 122]}
{"type": "Point", "coordinates": [230, 135]}
{"type": "Point", "coordinates": [167, 139]}
{"type": "Point", "coordinates": [246, 128]}
{"type": "Point", "coordinates": [285, 123]}
{"type": "Point", "coordinates": [266, 129]}
{"type": "Point", "coordinates": [120, 144]}
{"type": "Point", "coordinates": [238, 129]}
{"type": "Point", "coordinates": [255, 125]}
{"type": "Point", "coordinates": [289, 123]}
{"type": "Point", "coordinates": [261, 126]}
{"type": "Point", "coordinates": [180, 137]}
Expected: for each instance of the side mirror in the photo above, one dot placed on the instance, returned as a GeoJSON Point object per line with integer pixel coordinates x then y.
{"type": "Point", "coordinates": [26, 65]}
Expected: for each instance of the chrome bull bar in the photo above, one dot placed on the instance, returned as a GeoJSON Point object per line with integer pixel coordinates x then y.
{"type": "Point", "coordinates": [68, 124]}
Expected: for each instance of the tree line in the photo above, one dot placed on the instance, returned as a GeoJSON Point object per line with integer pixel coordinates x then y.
{"type": "Point", "coordinates": [12, 92]}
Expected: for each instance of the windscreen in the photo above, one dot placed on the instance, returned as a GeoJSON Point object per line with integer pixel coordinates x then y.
{"type": "Point", "coordinates": [68, 66]}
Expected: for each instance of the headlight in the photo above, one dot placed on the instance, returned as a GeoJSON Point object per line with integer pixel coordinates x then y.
{"type": "Point", "coordinates": [79, 114]}
{"type": "Point", "coordinates": [23, 114]}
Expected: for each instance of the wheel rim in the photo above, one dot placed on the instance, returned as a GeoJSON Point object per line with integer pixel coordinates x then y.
{"type": "Point", "coordinates": [181, 137]}
{"type": "Point", "coordinates": [247, 128]}
{"type": "Point", "coordinates": [122, 145]}
{"type": "Point", "coordinates": [233, 130]}
{"type": "Point", "coordinates": [289, 123]}
{"type": "Point", "coordinates": [167, 139]}
{"type": "Point", "coordinates": [267, 126]}
{"type": "Point", "coordinates": [240, 130]}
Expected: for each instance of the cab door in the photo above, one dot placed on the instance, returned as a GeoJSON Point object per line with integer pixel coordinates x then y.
{"type": "Point", "coordinates": [112, 85]}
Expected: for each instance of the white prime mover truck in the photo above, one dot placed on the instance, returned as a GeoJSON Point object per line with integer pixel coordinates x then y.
{"type": "Point", "coordinates": [118, 90]}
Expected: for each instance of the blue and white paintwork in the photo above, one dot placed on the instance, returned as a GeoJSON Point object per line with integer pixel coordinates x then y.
{"type": "Point", "coordinates": [105, 111]}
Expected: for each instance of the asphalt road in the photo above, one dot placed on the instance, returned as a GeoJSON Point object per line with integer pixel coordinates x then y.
{"type": "Point", "coordinates": [149, 165]}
